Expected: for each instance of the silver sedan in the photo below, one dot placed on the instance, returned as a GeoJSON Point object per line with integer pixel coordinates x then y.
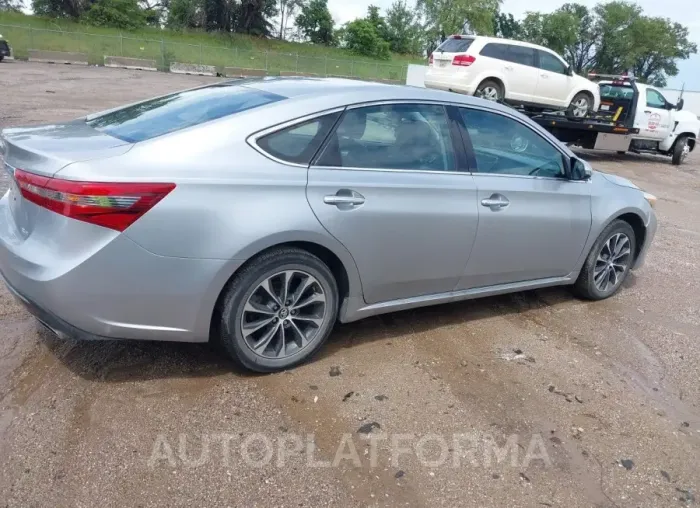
{"type": "Point", "coordinates": [259, 213]}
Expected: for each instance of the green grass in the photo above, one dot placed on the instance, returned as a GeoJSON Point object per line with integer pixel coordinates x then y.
{"type": "Point", "coordinates": [220, 50]}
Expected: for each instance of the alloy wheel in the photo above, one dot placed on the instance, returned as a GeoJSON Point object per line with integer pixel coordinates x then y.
{"type": "Point", "coordinates": [580, 109]}
{"type": "Point", "coordinates": [612, 262]}
{"type": "Point", "coordinates": [490, 93]}
{"type": "Point", "coordinates": [284, 314]}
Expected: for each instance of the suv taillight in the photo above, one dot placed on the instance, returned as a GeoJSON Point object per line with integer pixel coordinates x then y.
{"type": "Point", "coordinates": [430, 59]}
{"type": "Point", "coordinates": [463, 60]}
{"type": "Point", "coordinates": [114, 205]}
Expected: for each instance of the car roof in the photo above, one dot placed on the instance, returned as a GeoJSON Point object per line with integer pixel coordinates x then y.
{"type": "Point", "coordinates": [487, 39]}
{"type": "Point", "coordinates": [351, 91]}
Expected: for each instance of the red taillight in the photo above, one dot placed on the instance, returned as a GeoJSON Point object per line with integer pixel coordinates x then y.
{"type": "Point", "coordinates": [463, 60]}
{"type": "Point", "coordinates": [430, 59]}
{"type": "Point", "coordinates": [112, 205]}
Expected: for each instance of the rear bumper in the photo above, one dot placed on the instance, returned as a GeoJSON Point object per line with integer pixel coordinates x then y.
{"type": "Point", "coordinates": [89, 282]}
{"type": "Point", "coordinates": [449, 82]}
{"type": "Point", "coordinates": [55, 324]}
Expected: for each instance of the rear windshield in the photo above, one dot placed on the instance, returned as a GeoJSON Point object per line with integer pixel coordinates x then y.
{"type": "Point", "coordinates": [616, 92]}
{"type": "Point", "coordinates": [453, 45]}
{"type": "Point", "coordinates": [180, 110]}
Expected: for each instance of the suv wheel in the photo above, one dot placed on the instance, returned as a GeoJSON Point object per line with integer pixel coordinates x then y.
{"type": "Point", "coordinates": [608, 263]}
{"type": "Point", "coordinates": [279, 310]}
{"type": "Point", "coordinates": [581, 106]}
{"type": "Point", "coordinates": [490, 90]}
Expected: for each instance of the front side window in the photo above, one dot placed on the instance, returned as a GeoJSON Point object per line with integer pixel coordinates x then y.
{"type": "Point", "coordinates": [392, 136]}
{"type": "Point", "coordinates": [549, 62]}
{"type": "Point", "coordinates": [162, 115]}
{"type": "Point", "coordinates": [521, 55]}
{"type": "Point", "coordinates": [298, 143]}
{"type": "Point", "coordinates": [655, 99]}
{"type": "Point", "coordinates": [505, 146]}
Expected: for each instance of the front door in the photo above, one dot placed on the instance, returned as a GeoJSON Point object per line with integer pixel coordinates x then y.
{"type": "Point", "coordinates": [533, 221]}
{"type": "Point", "coordinates": [520, 70]}
{"type": "Point", "coordinates": [654, 119]}
{"type": "Point", "coordinates": [387, 188]}
{"type": "Point", "coordinates": [554, 83]}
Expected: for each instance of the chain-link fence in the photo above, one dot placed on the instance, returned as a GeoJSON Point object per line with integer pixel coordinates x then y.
{"type": "Point", "coordinates": [164, 52]}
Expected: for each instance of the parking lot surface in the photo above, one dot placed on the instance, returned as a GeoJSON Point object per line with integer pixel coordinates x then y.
{"type": "Point", "coordinates": [534, 399]}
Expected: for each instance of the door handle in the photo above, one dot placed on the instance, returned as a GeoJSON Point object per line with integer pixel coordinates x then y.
{"type": "Point", "coordinates": [544, 76]}
{"type": "Point", "coordinates": [495, 202]}
{"type": "Point", "coordinates": [648, 112]}
{"type": "Point", "coordinates": [344, 199]}
{"type": "Point", "coordinates": [508, 68]}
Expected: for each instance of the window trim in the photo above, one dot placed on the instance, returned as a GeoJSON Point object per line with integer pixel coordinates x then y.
{"type": "Point", "coordinates": [472, 156]}
{"type": "Point", "coordinates": [457, 146]}
{"type": "Point", "coordinates": [252, 139]}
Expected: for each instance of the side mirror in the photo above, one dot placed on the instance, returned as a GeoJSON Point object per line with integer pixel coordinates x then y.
{"type": "Point", "coordinates": [580, 169]}
{"type": "Point", "coordinates": [679, 106]}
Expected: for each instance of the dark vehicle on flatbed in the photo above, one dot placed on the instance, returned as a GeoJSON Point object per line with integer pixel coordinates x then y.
{"type": "Point", "coordinates": [4, 49]}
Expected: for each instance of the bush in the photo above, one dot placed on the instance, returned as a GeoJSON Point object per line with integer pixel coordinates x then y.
{"type": "Point", "coordinates": [362, 38]}
{"type": "Point", "coordinates": [124, 14]}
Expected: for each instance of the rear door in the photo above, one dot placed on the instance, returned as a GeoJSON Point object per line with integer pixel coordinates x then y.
{"type": "Point", "coordinates": [654, 119]}
{"type": "Point", "coordinates": [554, 82]}
{"type": "Point", "coordinates": [392, 187]}
{"type": "Point", "coordinates": [521, 72]}
{"type": "Point", "coordinates": [533, 221]}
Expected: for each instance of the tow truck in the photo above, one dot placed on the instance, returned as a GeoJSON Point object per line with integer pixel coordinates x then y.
{"type": "Point", "coordinates": [632, 117]}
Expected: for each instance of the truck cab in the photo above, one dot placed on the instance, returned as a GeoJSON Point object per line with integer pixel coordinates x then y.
{"type": "Point", "coordinates": [662, 126]}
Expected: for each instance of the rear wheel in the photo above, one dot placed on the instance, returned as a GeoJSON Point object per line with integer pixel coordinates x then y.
{"type": "Point", "coordinates": [681, 149]}
{"type": "Point", "coordinates": [608, 263]}
{"type": "Point", "coordinates": [581, 106]}
{"type": "Point", "coordinates": [490, 90]}
{"type": "Point", "coordinates": [279, 310]}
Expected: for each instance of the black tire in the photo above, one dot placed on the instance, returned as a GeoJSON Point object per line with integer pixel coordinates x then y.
{"type": "Point", "coordinates": [573, 106]}
{"type": "Point", "coordinates": [585, 286]}
{"type": "Point", "coordinates": [247, 282]}
{"type": "Point", "coordinates": [621, 152]}
{"type": "Point", "coordinates": [484, 87]}
{"type": "Point", "coordinates": [677, 154]}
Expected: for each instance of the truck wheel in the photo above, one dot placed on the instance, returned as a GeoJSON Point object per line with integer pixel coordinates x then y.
{"type": "Point", "coordinates": [680, 151]}
{"type": "Point", "coordinates": [490, 90]}
{"type": "Point", "coordinates": [581, 106]}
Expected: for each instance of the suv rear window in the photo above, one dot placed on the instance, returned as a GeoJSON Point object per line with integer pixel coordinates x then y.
{"type": "Point", "coordinates": [454, 45]}
{"type": "Point", "coordinates": [162, 115]}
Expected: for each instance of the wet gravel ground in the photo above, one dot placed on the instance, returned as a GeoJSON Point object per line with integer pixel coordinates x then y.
{"type": "Point", "coordinates": [533, 399]}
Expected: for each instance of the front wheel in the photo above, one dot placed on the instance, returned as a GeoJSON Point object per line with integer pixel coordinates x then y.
{"type": "Point", "coordinates": [279, 310]}
{"type": "Point", "coordinates": [681, 149]}
{"type": "Point", "coordinates": [581, 106]}
{"type": "Point", "coordinates": [608, 263]}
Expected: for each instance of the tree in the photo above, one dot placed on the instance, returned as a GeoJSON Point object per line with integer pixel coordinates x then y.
{"type": "Point", "coordinates": [185, 14]}
{"type": "Point", "coordinates": [286, 10]}
{"type": "Point", "coordinates": [316, 23]}
{"type": "Point", "coordinates": [445, 17]}
{"type": "Point", "coordinates": [360, 36]}
{"type": "Point", "coordinates": [58, 8]}
{"type": "Point", "coordinates": [124, 14]}
{"type": "Point", "coordinates": [506, 26]}
{"type": "Point", "coordinates": [581, 52]}
{"type": "Point", "coordinates": [377, 22]}
{"type": "Point", "coordinates": [252, 17]}
{"type": "Point", "coordinates": [403, 31]}
{"type": "Point", "coordinates": [11, 5]}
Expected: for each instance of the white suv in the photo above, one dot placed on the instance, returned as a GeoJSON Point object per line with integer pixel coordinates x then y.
{"type": "Point", "coordinates": [512, 71]}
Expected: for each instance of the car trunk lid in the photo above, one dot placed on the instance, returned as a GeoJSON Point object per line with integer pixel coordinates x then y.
{"type": "Point", "coordinates": [454, 46]}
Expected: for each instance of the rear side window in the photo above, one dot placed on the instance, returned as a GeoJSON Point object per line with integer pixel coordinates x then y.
{"type": "Point", "coordinates": [616, 92]}
{"type": "Point", "coordinates": [453, 45]}
{"type": "Point", "coordinates": [298, 144]}
{"type": "Point", "coordinates": [549, 62]}
{"type": "Point", "coordinates": [178, 111]}
{"type": "Point", "coordinates": [494, 50]}
{"type": "Point", "coordinates": [521, 55]}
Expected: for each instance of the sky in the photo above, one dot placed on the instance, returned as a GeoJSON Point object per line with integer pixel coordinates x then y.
{"type": "Point", "coordinates": [683, 11]}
